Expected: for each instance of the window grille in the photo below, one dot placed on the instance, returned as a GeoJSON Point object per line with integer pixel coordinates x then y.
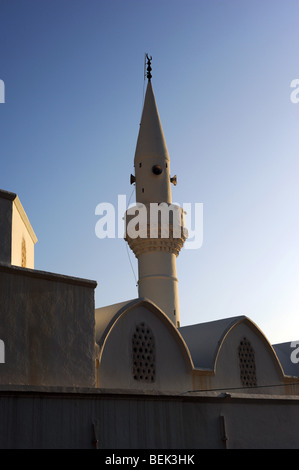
{"type": "Point", "coordinates": [247, 364]}
{"type": "Point", "coordinates": [143, 354]}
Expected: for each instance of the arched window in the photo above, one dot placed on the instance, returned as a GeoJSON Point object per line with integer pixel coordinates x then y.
{"type": "Point", "coordinates": [143, 354]}
{"type": "Point", "coordinates": [247, 364]}
{"type": "Point", "coordinates": [24, 256]}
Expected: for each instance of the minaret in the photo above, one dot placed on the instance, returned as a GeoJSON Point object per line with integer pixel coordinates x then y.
{"type": "Point", "coordinates": [159, 225]}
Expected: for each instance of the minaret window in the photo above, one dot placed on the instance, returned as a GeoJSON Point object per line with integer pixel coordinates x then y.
{"type": "Point", "coordinates": [247, 364]}
{"type": "Point", "coordinates": [157, 170]}
{"type": "Point", "coordinates": [143, 354]}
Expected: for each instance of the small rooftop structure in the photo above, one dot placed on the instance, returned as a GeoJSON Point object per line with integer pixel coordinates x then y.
{"type": "Point", "coordinates": [16, 233]}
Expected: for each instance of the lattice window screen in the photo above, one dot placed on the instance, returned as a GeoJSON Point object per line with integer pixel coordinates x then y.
{"type": "Point", "coordinates": [143, 354]}
{"type": "Point", "coordinates": [247, 364]}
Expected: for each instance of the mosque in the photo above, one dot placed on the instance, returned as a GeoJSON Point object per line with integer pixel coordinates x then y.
{"type": "Point", "coordinates": [128, 376]}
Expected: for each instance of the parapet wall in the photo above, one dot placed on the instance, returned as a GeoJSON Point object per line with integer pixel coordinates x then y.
{"type": "Point", "coordinates": [48, 328]}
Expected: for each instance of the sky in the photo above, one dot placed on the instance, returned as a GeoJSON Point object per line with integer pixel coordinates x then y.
{"type": "Point", "coordinates": [222, 70]}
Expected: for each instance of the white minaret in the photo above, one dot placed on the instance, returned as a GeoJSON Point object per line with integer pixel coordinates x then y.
{"type": "Point", "coordinates": [159, 239]}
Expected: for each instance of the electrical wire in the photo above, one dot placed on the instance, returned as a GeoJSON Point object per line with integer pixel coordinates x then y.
{"type": "Point", "coordinates": [127, 248]}
{"type": "Point", "coordinates": [224, 389]}
{"type": "Point", "coordinates": [128, 253]}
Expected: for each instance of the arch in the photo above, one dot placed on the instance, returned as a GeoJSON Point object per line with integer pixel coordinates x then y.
{"type": "Point", "coordinates": [125, 308]}
{"type": "Point", "coordinates": [236, 321]}
{"type": "Point", "coordinates": [206, 340]}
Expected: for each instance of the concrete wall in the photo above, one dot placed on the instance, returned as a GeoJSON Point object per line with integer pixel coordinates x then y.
{"type": "Point", "coordinates": [48, 328]}
{"type": "Point", "coordinates": [76, 419]}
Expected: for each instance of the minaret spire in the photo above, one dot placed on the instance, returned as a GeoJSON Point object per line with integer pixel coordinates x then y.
{"type": "Point", "coordinates": [159, 241]}
{"type": "Point", "coordinates": [151, 155]}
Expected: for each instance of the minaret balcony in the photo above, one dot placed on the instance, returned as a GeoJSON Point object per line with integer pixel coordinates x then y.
{"type": "Point", "coordinates": [155, 227]}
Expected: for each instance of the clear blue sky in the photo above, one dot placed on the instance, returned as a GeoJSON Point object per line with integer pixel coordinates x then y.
{"type": "Point", "coordinates": [73, 72]}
